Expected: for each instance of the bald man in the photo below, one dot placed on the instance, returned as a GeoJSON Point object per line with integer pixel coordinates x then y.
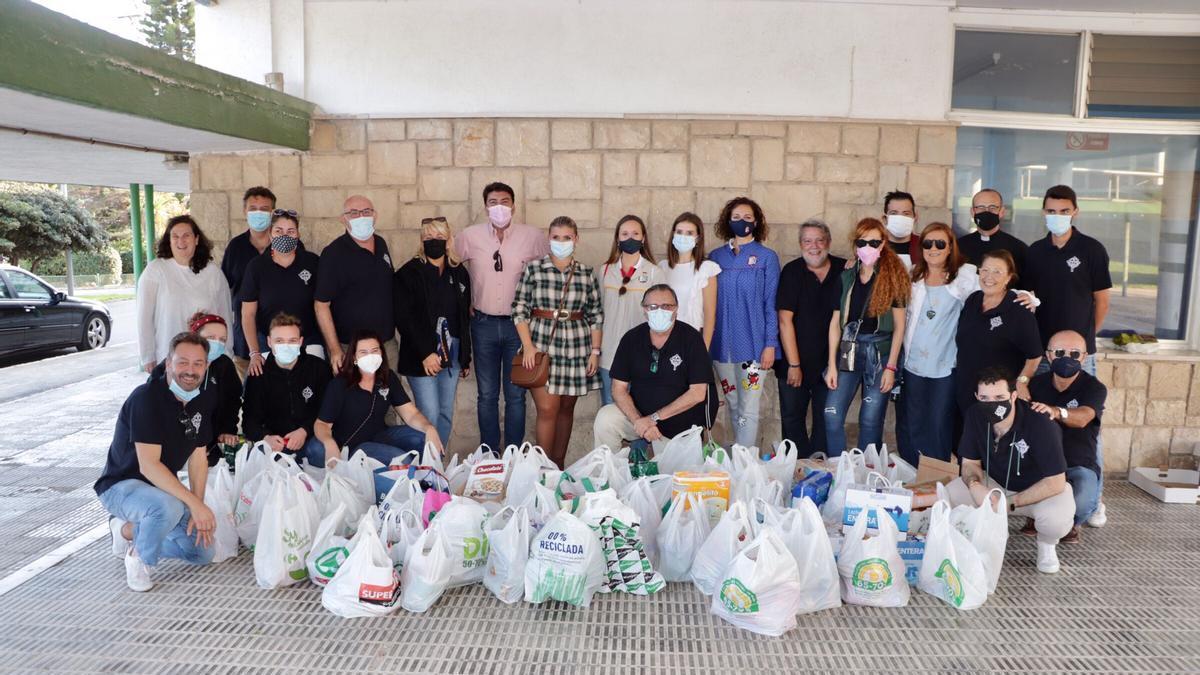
{"type": "Point", "coordinates": [1075, 401]}
{"type": "Point", "coordinates": [354, 288]}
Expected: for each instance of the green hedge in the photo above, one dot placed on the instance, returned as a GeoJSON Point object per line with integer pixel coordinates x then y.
{"type": "Point", "coordinates": [106, 262]}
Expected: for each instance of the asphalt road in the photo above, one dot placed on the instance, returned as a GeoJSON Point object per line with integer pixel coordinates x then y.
{"type": "Point", "coordinates": [35, 373]}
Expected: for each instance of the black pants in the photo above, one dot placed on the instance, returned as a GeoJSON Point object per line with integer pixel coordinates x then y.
{"type": "Point", "coordinates": [794, 404]}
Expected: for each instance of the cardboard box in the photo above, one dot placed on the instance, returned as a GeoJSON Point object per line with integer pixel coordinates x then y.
{"type": "Point", "coordinates": [912, 551]}
{"type": "Point", "coordinates": [896, 502]}
{"type": "Point", "coordinates": [1173, 486]}
{"type": "Point", "coordinates": [930, 470]}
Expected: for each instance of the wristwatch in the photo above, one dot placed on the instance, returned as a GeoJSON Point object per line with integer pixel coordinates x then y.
{"type": "Point", "coordinates": [1062, 412]}
{"type": "Point", "coordinates": [1022, 379]}
{"type": "Point", "coordinates": [654, 417]}
{"type": "Point", "coordinates": [595, 351]}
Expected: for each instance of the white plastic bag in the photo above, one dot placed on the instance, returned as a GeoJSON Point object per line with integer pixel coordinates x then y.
{"type": "Point", "coordinates": [951, 569]}
{"type": "Point", "coordinates": [872, 570]}
{"type": "Point", "coordinates": [565, 563]}
{"type": "Point", "coordinates": [641, 497]}
{"type": "Point", "coordinates": [526, 465]}
{"type": "Point", "coordinates": [220, 498]}
{"type": "Point", "coordinates": [987, 530]}
{"type": "Point", "coordinates": [366, 584]}
{"type": "Point", "coordinates": [596, 506]}
{"type": "Point", "coordinates": [252, 494]}
{"type": "Point", "coordinates": [684, 451]}
{"type": "Point", "coordinates": [760, 589]}
{"type": "Point", "coordinates": [286, 534]}
{"type": "Point", "coordinates": [359, 469]}
{"type": "Point", "coordinates": [851, 469]}
{"type": "Point", "coordinates": [782, 467]}
{"type": "Point", "coordinates": [399, 532]}
{"type": "Point", "coordinates": [683, 530]}
{"type": "Point", "coordinates": [339, 489]}
{"type": "Point", "coordinates": [541, 504]}
{"type": "Point", "coordinates": [732, 534]}
{"type": "Point", "coordinates": [461, 523]}
{"type": "Point", "coordinates": [508, 538]}
{"type": "Point", "coordinates": [895, 469]}
{"type": "Point", "coordinates": [427, 571]}
{"type": "Point", "coordinates": [249, 461]}
{"type": "Point", "coordinates": [603, 467]}
{"type": "Point", "coordinates": [754, 483]}
{"type": "Point", "coordinates": [329, 549]}
{"type": "Point", "coordinates": [803, 533]}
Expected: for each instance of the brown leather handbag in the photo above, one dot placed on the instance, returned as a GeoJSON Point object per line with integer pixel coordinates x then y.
{"type": "Point", "coordinates": [539, 374]}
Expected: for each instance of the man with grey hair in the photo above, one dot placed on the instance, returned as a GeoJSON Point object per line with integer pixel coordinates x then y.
{"type": "Point", "coordinates": [662, 378]}
{"type": "Point", "coordinates": [808, 290]}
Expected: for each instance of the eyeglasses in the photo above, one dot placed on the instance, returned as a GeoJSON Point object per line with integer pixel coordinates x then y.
{"type": "Point", "coordinates": [654, 361]}
{"type": "Point", "coordinates": [358, 213]}
{"type": "Point", "coordinates": [1059, 353]}
{"type": "Point", "coordinates": [435, 219]}
{"type": "Point", "coordinates": [873, 243]}
{"type": "Point", "coordinates": [499, 263]}
{"type": "Point", "coordinates": [990, 208]}
{"type": "Point", "coordinates": [284, 212]}
{"type": "Point", "coordinates": [190, 431]}
{"type": "Point", "coordinates": [667, 306]}
{"type": "Point", "coordinates": [941, 244]}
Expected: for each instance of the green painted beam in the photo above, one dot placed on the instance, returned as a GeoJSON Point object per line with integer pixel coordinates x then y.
{"type": "Point", "coordinates": [135, 224]}
{"type": "Point", "coordinates": [148, 221]}
{"type": "Point", "coordinates": [48, 54]}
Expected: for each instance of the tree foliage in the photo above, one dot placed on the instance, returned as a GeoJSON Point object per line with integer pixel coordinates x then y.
{"type": "Point", "coordinates": [37, 223]}
{"type": "Point", "coordinates": [169, 26]}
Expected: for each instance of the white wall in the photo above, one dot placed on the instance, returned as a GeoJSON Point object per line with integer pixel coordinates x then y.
{"type": "Point", "coordinates": [594, 57]}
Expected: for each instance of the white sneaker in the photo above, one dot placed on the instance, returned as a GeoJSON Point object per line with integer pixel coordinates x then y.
{"type": "Point", "coordinates": [1047, 562]}
{"type": "Point", "coordinates": [120, 544]}
{"type": "Point", "coordinates": [137, 573]}
{"type": "Point", "coordinates": [1099, 517]}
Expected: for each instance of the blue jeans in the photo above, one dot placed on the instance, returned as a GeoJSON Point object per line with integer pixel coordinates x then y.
{"type": "Point", "coordinates": [794, 403]}
{"type": "Point", "coordinates": [1089, 367]}
{"type": "Point", "coordinates": [867, 371]}
{"type": "Point", "coordinates": [434, 396]}
{"type": "Point", "coordinates": [159, 522]}
{"type": "Point", "coordinates": [605, 387]}
{"type": "Point", "coordinates": [389, 443]}
{"type": "Point", "coordinates": [930, 400]}
{"type": "Point", "coordinates": [1086, 485]}
{"type": "Point", "coordinates": [495, 342]}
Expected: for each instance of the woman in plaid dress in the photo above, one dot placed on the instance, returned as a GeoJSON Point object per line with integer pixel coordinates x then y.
{"type": "Point", "coordinates": [575, 351]}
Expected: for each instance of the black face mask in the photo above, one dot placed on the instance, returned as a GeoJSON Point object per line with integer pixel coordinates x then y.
{"type": "Point", "coordinates": [434, 248]}
{"type": "Point", "coordinates": [1065, 366]}
{"type": "Point", "coordinates": [630, 245]}
{"type": "Point", "coordinates": [995, 411]}
{"type": "Point", "coordinates": [987, 220]}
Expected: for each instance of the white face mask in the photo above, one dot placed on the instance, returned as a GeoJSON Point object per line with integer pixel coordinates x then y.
{"type": "Point", "coordinates": [369, 363]}
{"type": "Point", "coordinates": [683, 242]}
{"type": "Point", "coordinates": [362, 228]}
{"type": "Point", "coordinates": [1058, 223]}
{"type": "Point", "coordinates": [562, 249]}
{"type": "Point", "coordinates": [660, 320]}
{"type": "Point", "coordinates": [900, 227]}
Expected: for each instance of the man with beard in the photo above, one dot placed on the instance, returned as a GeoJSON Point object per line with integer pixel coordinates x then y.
{"type": "Point", "coordinates": [165, 424]}
{"type": "Point", "coordinates": [987, 210]}
{"type": "Point", "coordinates": [807, 292]}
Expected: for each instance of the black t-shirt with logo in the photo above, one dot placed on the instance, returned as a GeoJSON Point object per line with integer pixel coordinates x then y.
{"type": "Point", "coordinates": [154, 416]}
{"type": "Point", "coordinates": [1079, 444]}
{"type": "Point", "coordinates": [1006, 336]}
{"type": "Point", "coordinates": [681, 362]}
{"type": "Point", "coordinates": [358, 415]}
{"type": "Point", "coordinates": [358, 287]}
{"type": "Point", "coordinates": [975, 244]}
{"type": "Point", "coordinates": [283, 289]}
{"type": "Point", "coordinates": [1065, 279]}
{"type": "Point", "coordinates": [1030, 451]}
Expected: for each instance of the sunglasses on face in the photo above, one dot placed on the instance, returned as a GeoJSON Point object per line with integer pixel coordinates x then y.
{"type": "Point", "coordinates": [1059, 353]}
{"type": "Point", "coordinates": [436, 219]}
{"type": "Point", "coordinates": [873, 243]}
{"type": "Point", "coordinates": [931, 243]}
{"type": "Point", "coordinates": [284, 212]}
{"type": "Point", "coordinates": [499, 264]}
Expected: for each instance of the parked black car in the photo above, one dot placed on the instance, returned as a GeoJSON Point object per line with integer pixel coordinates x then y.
{"type": "Point", "coordinates": [35, 316]}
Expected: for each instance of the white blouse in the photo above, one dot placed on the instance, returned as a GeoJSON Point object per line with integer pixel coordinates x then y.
{"type": "Point", "coordinates": [689, 284]}
{"type": "Point", "coordinates": [168, 294]}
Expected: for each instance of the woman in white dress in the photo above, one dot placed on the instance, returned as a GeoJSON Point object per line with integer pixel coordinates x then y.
{"type": "Point", "coordinates": [180, 281]}
{"type": "Point", "coordinates": [691, 275]}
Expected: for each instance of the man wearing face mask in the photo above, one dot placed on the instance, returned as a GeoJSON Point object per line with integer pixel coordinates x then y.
{"type": "Point", "coordinates": [987, 210]}
{"type": "Point", "coordinates": [281, 404]}
{"type": "Point", "coordinates": [662, 378]}
{"type": "Point", "coordinates": [495, 254]}
{"type": "Point", "coordinates": [1008, 446]}
{"type": "Point", "coordinates": [900, 219]}
{"type": "Point", "coordinates": [1074, 400]}
{"type": "Point", "coordinates": [258, 202]}
{"type": "Point", "coordinates": [164, 425]}
{"type": "Point", "coordinates": [354, 289]}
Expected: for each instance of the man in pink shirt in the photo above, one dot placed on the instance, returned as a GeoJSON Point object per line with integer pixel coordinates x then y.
{"type": "Point", "coordinates": [495, 253]}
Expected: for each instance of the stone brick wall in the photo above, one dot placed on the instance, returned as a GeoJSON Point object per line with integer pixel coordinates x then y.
{"type": "Point", "coordinates": [1153, 413]}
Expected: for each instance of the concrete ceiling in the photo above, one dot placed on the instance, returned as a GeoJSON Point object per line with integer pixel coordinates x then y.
{"type": "Point", "coordinates": [1138, 6]}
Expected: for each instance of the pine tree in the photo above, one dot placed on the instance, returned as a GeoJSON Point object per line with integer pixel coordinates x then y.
{"type": "Point", "coordinates": [168, 25]}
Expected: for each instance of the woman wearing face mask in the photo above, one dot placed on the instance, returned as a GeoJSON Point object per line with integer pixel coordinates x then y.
{"type": "Point", "coordinates": [624, 278]}
{"type": "Point", "coordinates": [995, 330]}
{"type": "Point", "coordinates": [176, 284]}
{"type": "Point", "coordinates": [221, 377]}
{"type": "Point", "coordinates": [691, 275]}
{"type": "Point", "coordinates": [746, 335]}
{"type": "Point", "coordinates": [282, 279]}
{"type": "Point", "coordinates": [355, 406]}
{"type": "Point", "coordinates": [865, 336]}
{"type": "Point", "coordinates": [433, 305]}
{"type": "Point", "coordinates": [558, 311]}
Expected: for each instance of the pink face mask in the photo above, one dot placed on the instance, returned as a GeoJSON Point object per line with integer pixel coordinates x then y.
{"type": "Point", "coordinates": [500, 215]}
{"type": "Point", "coordinates": [868, 255]}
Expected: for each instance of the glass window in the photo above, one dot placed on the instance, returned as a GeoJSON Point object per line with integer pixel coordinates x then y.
{"type": "Point", "coordinates": [27, 287]}
{"type": "Point", "coordinates": [1014, 71]}
{"type": "Point", "coordinates": [1152, 76]}
{"type": "Point", "coordinates": [1137, 195]}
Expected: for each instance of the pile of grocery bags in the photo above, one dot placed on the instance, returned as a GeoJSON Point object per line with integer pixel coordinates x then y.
{"type": "Point", "coordinates": [768, 536]}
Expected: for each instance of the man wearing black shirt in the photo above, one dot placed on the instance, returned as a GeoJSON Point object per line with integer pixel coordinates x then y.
{"type": "Point", "coordinates": [662, 378]}
{"type": "Point", "coordinates": [1006, 445]}
{"type": "Point", "coordinates": [987, 211]}
{"type": "Point", "coordinates": [281, 403]}
{"type": "Point", "coordinates": [163, 425]}
{"type": "Point", "coordinates": [1075, 401]}
{"type": "Point", "coordinates": [807, 294]}
{"type": "Point", "coordinates": [258, 203]}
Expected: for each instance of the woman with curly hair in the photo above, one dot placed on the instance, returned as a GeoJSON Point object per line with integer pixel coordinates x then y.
{"type": "Point", "coordinates": [746, 335]}
{"type": "Point", "coordinates": [862, 350]}
{"type": "Point", "coordinates": [176, 284]}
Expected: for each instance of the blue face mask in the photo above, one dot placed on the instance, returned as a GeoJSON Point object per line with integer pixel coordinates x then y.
{"type": "Point", "coordinates": [362, 228]}
{"type": "Point", "coordinates": [562, 249]}
{"type": "Point", "coordinates": [179, 392]}
{"type": "Point", "coordinates": [660, 320]}
{"type": "Point", "coordinates": [1057, 223]}
{"type": "Point", "coordinates": [216, 349]}
{"type": "Point", "coordinates": [258, 220]}
{"type": "Point", "coordinates": [286, 354]}
{"type": "Point", "coordinates": [683, 242]}
{"type": "Point", "coordinates": [741, 228]}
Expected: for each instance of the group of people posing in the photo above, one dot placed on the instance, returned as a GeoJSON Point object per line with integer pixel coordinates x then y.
{"type": "Point", "coordinates": [306, 352]}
